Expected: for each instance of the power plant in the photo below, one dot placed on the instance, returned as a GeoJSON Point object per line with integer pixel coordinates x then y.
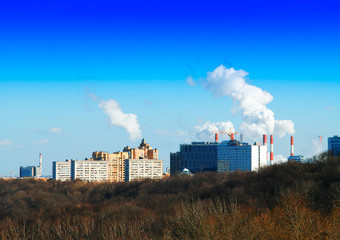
{"type": "Point", "coordinates": [226, 156]}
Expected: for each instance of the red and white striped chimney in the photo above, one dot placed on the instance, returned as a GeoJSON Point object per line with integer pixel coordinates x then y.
{"type": "Point", "coordinates": [264, 140]}
{"type": "Point", "coordinates": [216, 137]}
{"type": "Point", "coordinates": [291, 146]}
{"type": "Point", "coordinates": [271, 150]}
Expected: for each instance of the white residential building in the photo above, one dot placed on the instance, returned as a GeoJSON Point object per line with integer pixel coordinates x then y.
{"type": "Point", "coordinates": [89, 170]}
{"type": "Point", "coordinates": [61, 170]}
{"type": "Point", "coordinates": [139, 169]}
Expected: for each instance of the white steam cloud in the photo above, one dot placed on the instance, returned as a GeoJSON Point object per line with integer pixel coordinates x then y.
{"type": "Point", "coordinates": [280, 159]}
{"type": "Point", "coordinates": [317, 146]}
{"type": "Point", "coordinates": [126, 120]}
{"type": "Point", "coordinates": [250, 100]}
{"type": "Point", "coordinates": [208, 129]}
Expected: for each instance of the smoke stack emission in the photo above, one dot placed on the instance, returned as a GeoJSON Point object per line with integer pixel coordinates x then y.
{"type": "Point", "coordinates": [271, 150]}
{"type": "Point", "coordinates": [291, 146]}
{"type": "Point", "coordinates": [251, 101]}
{"type": "Point", "coordinates": [241, 137]}
{"type": "Point", "coordinates": [216, 137]}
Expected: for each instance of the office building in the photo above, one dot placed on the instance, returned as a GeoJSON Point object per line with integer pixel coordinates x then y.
{"type": "Point", "coordinates": [230, 155]}
{"type": "Point", "coordinates": [296, 158]}
{"type": "Point", "coordinates": [26, 172]}
{"type": "Point", "coordinates": [197, 157]}
{"type": "Point", "coordinates": [234, 155]}
{"type": "Point", "coordinates": [334, 145]}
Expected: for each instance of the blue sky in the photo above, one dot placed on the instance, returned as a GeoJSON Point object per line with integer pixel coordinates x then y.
{"type": "Point", "coordinates": [55, 54]}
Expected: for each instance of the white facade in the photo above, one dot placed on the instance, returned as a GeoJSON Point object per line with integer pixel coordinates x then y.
{"type": "Point", "coordinates": [89, 170]}
{"type": "Point", "coordinates": [258, 157]}
{"type": "Point", "coordinates": [235, 156]}
{"type": "Point", "coordinates": [61, 171]}
{"type": "Point", "coordinates": [138, 169]}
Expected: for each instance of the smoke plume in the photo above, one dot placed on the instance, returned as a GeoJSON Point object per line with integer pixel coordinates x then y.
{"type": "Point", "coordinates": [126, 120]}
{"type": "Point", "coordinates": [208, 130]}
{"type": "Point", "coordinates": [250, 100]}
{"type": "Point", "coordinates": [317, 146]}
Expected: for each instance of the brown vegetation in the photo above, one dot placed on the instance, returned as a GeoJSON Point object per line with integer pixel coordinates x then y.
{"type": "Point", "coordinates": [288, 201]}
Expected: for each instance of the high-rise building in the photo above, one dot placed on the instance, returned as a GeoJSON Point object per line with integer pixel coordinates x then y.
{"type": "Point", "coordinates": [117, 160]}
{"type": "Point", "coordinates": [130, 164]}
{"type": "Point", "coordinates": [61, 170]}
{"type": "Point", "coordinates": [215, 156]}
{"type": "Point", "coordinates": [89, 170]}
{"type": "Point", "coordinates": [233, 155]}
{"type": "Point", "coordinates": [334, 145]}
{"type": "Point", "coordinates": [139, 169]}
{"type": "Point", "coordinates": [116, 164]}
{"type": "Point", "coordinates": [197, 157]}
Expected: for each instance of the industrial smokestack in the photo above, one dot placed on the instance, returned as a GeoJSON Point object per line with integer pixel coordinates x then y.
{"type": "Point", "coordinates": [271, 150]}
{"type": "Point", "coordinates": [291, 146]}
{"type": "Point", "coordinates": [216, 137]}
{"type": "Point", "coordinates": [264, 140]}
{"type": "Point", "coordinates": [40, 159]}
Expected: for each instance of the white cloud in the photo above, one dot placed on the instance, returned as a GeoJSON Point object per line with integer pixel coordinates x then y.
{"type": "Point", "coordinates": [55, 130]}
{"type": "Point", "coordinates": [41, 142]}
{"type": "Point", "coordinates": [126, 120]}
{"type": "Point", "coordinates": [250, 100]}
{"type": "Point", "coordinates": [207, 130]}
{"type": "Point", "coordinates": [280, 159]}
{"type": "Point", "coordinates": [190, 81]}
{"type": "Point", "coordinates": [5, 143]}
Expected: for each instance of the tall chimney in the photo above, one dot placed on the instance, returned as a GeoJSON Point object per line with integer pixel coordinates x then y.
{"type": "Point", "coordinates": [40, 159]}
{"type": "Point", "coordinates": [232, 136]}
{"type": "Point", "coordinates": [271, 150]}
{"type": "Point", "coordinates": [216, 137]}
{"type": "Point", "coordinates": [291, 146]}
{"type": "Point", "coordinates": [265, 140]}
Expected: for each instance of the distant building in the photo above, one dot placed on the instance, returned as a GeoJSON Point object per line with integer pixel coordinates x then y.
{"type": "Point", "coordinates": [117, 162]}
{"type": "Point", "coordinates": [89, 170]}
{"type": "Point", "coordinates": [32, 171]}
{"type": "Point", "coordinates": [216, 156]}
{"type": "Point", "coordinates": [233, 155]}
{"type": "Point", "coordinates": [29, 171]}
{"type": "Point", "coordinates": [296, 158]}
{"type": "Point", "coordinates": [130, 164]}
{"type": "Point", "coordinates": [61, 170]}
{"type": "Point", "coordinates": [334, 145]}
{"type": "Point", "coordinates": [197, 157]}
{"type": "Point", "coordinates": [139, 169]}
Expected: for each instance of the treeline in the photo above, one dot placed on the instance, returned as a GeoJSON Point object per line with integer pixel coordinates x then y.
{"type": "Point", "coordinates": [286, 201]}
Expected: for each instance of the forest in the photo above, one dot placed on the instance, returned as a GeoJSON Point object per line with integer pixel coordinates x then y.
{"type": "Point", "coordinates": [285, 201]}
